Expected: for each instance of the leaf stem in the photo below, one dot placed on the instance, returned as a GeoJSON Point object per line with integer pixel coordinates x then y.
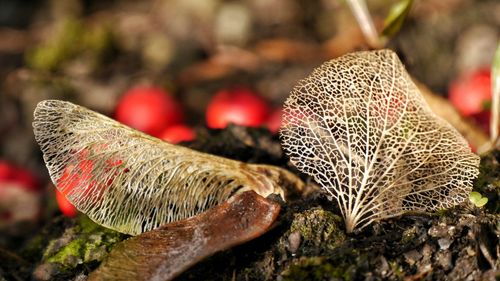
{"type": "Point", "coordinates": [365, 21]}
{"type": "Point", "coordinates": [495, 91]}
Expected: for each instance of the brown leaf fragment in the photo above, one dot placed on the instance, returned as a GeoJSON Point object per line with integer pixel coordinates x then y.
{"type": "Point", "coordinates": [442, 107]}
{"type": "Point", "coordinates": [283, 50]}
{"type": "Point", "coordinates": [167, 251]}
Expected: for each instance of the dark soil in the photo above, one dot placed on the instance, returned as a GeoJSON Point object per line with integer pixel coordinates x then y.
{"type": "Point", "coordinates": [308, 242]}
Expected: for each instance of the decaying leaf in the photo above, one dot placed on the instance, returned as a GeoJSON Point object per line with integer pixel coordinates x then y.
{"type": "Point", "coordinates": [163, 253]}
{"type": "Point", "coordinates": [131, 182]}
{"type": "Point", "coordinates": [359, 126]}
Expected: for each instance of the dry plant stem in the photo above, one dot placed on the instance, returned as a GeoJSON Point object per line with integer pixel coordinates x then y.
{"type": "Point", "coordinates": [495, 116]}
{"type": "Point", "coordinates": [131, 182]}
{"type": "Point", "coordinates": [360, 127]}
{"type": "Point", "coordinates": [164, 253]}
{"type": "Point", "coordinates": [495, 101]}
{"type": "Point", "coordinates": [365, 21]}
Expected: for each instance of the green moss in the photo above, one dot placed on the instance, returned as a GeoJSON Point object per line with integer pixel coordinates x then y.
{"type": "Point", "coordinates": [69, 255]}
{"type": "Point", "coordinates": [86, 225]}
{"type": "Point", "coordinates": [488, 183]}
{"type": "Point", "coordinates": [64, 44]}
{"type": "Point", "coordinates": [315, 268]}
{"type": "Point", "coordinates": [396, 269]}
{"type": "Point", "coordinates": [84, 243]}
{"type": "Point", "coordinates": [34, 246]}
{"type": "Point", "coordinates": [72, 38]}
{"type": "Point", "coordinates": [442, 213]}
{"type": "Point", "coordinates": [319, 228]}
{"type": "Point", "coordinates": [99, 39]}
{"type": "Point", "coordinates": [409, 235]}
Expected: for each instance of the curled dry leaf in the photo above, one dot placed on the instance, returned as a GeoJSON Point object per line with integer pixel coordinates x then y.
{"type": "Point", "coordinates": [359, 126]}
{"type": "Point", "coordinates": [165, 252]}
{"type": "Point", "coordinates": [131, 182]}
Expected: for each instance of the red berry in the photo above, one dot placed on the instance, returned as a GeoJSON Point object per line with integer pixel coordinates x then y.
{"type": "Point", "coordinates": [148, 109]}
{"type": "Point", "coordinates": [77, 177]}
{"type": "Point", "coordinates": [178, 133]}
{"type": "Point", "coordinates": [19, 196]}
{"type": "Point", "coordinates": [26, 179]}
{"type": "Point", "coordinates": [65, 206]}
{"type": "Point", "coordinates": [6, 171]}
{"type": "Point", "coordinates": [273, 123]}
{"type": "Point", "coordinates": [239, 106]}
{"type": "Point", "coordinates": [483, 119]}
{"type": "Point", "coordinates": [22, 177]}
{"type": "Point", "coordinates": [471, 93]}
{"type": "Point", "coordinates": [17, 203]}
{"type": "Point", "coordinates": [74, 177]}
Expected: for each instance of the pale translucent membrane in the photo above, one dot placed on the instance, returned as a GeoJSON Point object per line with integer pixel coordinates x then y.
{"type": "Point", "coordinates": [360, 127]}
{"type": "Point", "coordinates": [129, 181]}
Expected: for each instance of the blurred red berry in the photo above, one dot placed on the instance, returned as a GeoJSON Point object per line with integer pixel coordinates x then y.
{"type": "Point", "coordinates": [18, 203]}
{"type": "Point", "coordinates": [19, 194]}
{"type": "Point", "coordinates": [239, 106]}
{"type": "Point", "coordinates": [27, 179]}
{"type": "Point", "coordinates": [65, 206]}
{"type": "Point", "coordinates": [483, 119]}
{"type": "Point", "coordinates": [5, 170]}
{"type": "Point", "coordinates": [471, 93]}
{"type": "Point", "coordinates": [178, 133]}
{"type": "Point", "coordinates": [22, 177]}
{"type": "Point", "coordinates": [80, 179]}
{"type": "Point", "coordinates": [77, 177]}
{"type": "Point", "coordinates": [148, 109]}
{"type": "Point", "coordinates": [273, 122]}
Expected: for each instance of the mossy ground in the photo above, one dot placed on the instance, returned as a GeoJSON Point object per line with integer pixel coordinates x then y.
{"type": "Point", "coordinates": [488, 181]}
{"type": "Point", "coordinates": [308, 241]}
{"type": "Point", "coordinates": [78, 250]}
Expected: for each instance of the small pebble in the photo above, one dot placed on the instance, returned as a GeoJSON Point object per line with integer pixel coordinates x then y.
{"type": "Point", "coordinates": [46, 271]}
{"type": "Point", "coordinates": [427, 251]}
{"type": "Point", "coordinates": [444, 259]}
{"type": "Point", "coordinates": [383, 265]}
{"type": "Point", "coordinates": [441, 230]}
{"type": "Point", "coordinates": [470, 251]}
{"type": "Point", "coordinates": [444, 243]}
{"type": "Point", "coordinates": [294, 240]}
{"type": "Point", "coordinates": [412, 257]}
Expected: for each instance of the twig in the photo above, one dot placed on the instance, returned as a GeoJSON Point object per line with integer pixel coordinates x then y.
{"type": "Point", "coordinates": [365, 21]}
{"type": "Point", "coordinates": [495, 106]}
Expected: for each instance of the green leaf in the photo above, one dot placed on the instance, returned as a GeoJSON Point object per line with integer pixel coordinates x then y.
{"type": "Point", "coordinates": [477, 199]}
{"type": "Point", "coordinates": [474, 196]}
{"type": "Point", "coordinates": [396, 17]}
{"type": "Point", "coordinates": [481, 202]}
